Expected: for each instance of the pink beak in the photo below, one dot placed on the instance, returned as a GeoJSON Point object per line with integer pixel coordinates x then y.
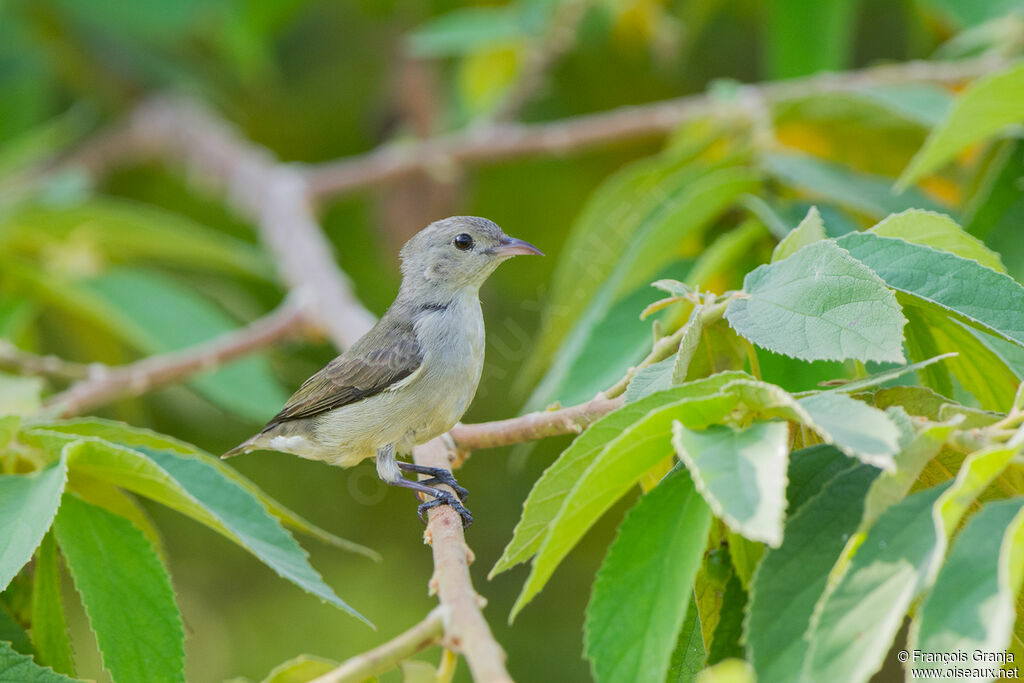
{"type": "Point", "coordinates": [510, 246]}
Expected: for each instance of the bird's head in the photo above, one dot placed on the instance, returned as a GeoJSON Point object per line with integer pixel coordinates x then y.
{"type": "Point", "coordinates": [457, 253]}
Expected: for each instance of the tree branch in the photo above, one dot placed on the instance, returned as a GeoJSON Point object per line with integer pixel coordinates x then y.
{"type": "Point", "coordinates": [105, 384]}
{"type": "Point", "coordinates": [501, 141]}
{"type": "Point", "coordinates": [14, 359]}
{"type": "Point", "coordinates": [467, 631]}
{"type": "Point", "coordinates": [389, 655]}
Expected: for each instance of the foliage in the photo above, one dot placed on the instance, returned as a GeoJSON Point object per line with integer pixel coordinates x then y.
{"type": "Point", "coordinates": [823, 412]}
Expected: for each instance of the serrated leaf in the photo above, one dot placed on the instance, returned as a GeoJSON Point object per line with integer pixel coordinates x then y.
{"type": "Point", "coordinates": [863, 192]}
{"type": "Point", "coordinates": [653, 378]}
{"type": "Point", "coordinates": [978, 369]}
{"type": "Point", "coordinates": [616, 468]}
{"type": "Point", "coordinates": [168, 317]}
{"type": "Point", "coordinates": [688, 343]}
{"type": "Point", "coordinates": [971, 607]}
{"type": "Point", "coordinates": [688, 657]}
{"type": "Point", "coordinates": [49, 627]}
{"type": "Point", "coordinates": [740, 473]}
{"type": "Point", "coordinates": [857, 429]}
{"type": "Point", "coordinates": [28, 503]}
{"type": "Point", "coordinates": [791, 578]}
{"type": "Point", "coordinates": [987, 106]}
{"type": "Point", "coordinates": [114, 566]}
{"type": "Point", "coordinates": [857, 618]}
{"type": "Point", "coordinates": [644, 587]}
{"type": "Point", "coordinates": [820, 304]}
{"type": "Point", "coordinates": [810, 230]}
{"type": "Point", "coordinates": [888, 375]}
{"type": "Point", "coordinates": [195, 488]}
{"type": "Point", "coordinates": [978, 295]}
{"type": "Point", "coordinates": [128, 435]}
{"type": "Point", "coordinates": [12, 633]}
{"type": "Point", "coordinates": [19, 668]}
{"type": "Point", "coordinates": [938, 231]}
{"type": "Point", "coordinates": [550, 491]}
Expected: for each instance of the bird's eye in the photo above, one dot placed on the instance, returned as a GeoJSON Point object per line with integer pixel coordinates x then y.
{"type": "Point", "coordinates": [463, 242]}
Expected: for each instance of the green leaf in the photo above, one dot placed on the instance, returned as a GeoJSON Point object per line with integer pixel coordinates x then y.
{"type": "Point", "coordinates": [49, 627]}
{"type": "Point", "coordinates": [169, 317]}
{"type": "Point", "coordinates": [19, 395]}
{"type": "Point", "coordinates": [991, 301]}
{"type": "Point", "coordinates": [791, 52]}
{"type": "Point", "coordinates": [558, 480]}
{"type": "Point", "coordinates": [810, 470]}
{"type": "Point", "coordinates": [792, 577]}
{"type": "Point", "coordinates": [127, 435]}
{"type": "Point", "coordinates": [819, 304]}
{"type": "Point", "coordinates": [9, 426]}
{"type": "Point", "coordinates": [616, 468]}
{"type": "Point", "coordinates": [727, 671]}
{"type": "Point", "coordinates": [740, 473]}
{"type": "Point", "coordinates": [300, 669]}
{"type": "Point", "coordinates": [688, 344]}
{"type": "Point", "coordinates": [644, 586]}
{"type": "Point", "coordinates": [653, 378]}
{"type": "Point", "coordinates": [857, 618]}
{"type": "Point", "coordinates": [888, 375]}
{"type": "Point", "coordinates": [467, 30]}
{"type": "Point", "coordinates": [745, 555]}
{"type": "Point", "coordinates": [726, 642]}
{"type": "Point", "coordinates": [972, 604]}
{"type": "Point", "coordinates": [810, 230]}
{"type": "Point", "coordinates": [688, 657]}
{"type": "Point", "coordinates": [19, 668]}
{"type": "Point", "coordinates": [862, 192]}
{"type": "Point", "coordinates": [11, 632]}
{"type": "Point", "coordinates": [125, 230]}
{"type": "Point", "coordinates": [195, 488]}
{"type": "Point", "coordinates": [921, 103]}
{"type": "Point", "coordinates": [28, 503]}
{"type": "Point", "coordinates": [857, 429]}
{"type": "Point", "coordinates": [621, 249]}
{"type": "Point", "coordinates": [987, 106]}
{"type": "Point", "coordinates": [938, 231]}
{"type": "Point", "coordinates": [978, 369]}
{"type": "Point", "coordinates": [126, 592]}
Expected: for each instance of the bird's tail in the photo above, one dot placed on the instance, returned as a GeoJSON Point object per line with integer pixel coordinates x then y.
{"type": "Point", "coordinates": [244, 447]}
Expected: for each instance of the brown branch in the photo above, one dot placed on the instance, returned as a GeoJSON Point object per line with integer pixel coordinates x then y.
{"type": "Point", "coordinates": [14, 359]}
{"type": "Point", "coordinates": [273, 195]}
{"type": "Point", "coordinates": [509, 141]}
{"type": "Point", "coordinates": [112, 383]}
{"type": "Point", "coordinates": [532, 426]}
{"type": "Point", "coordinates": [385, 657]}
{"type": "Point", "coordinates": [466, 631]}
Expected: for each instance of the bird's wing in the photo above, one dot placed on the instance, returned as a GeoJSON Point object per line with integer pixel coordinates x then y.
{"type": "Point", "coordinates": [387, 355]}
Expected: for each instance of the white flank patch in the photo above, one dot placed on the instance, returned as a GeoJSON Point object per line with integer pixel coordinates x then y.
{"type": "Point", "coordinates": [288, 443]}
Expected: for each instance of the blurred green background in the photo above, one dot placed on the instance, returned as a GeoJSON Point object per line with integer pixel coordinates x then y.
{"type": "Point", "coordinates": [314, 81]}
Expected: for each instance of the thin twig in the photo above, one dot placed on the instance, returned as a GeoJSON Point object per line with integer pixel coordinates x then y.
{"type": "Point", "coordinates": [134, 379]}
{"type": "Point", "coordinates": [13, 359]}
{"type": "Point", "coordinates": [467, 631]}
{"type": "Point", "coordinates": [389, 655]}
{"type": "Point", "coordinates": [508, 140]}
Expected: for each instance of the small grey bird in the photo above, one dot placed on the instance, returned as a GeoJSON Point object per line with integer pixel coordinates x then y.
{"type": "Point", "coordinates": [413, 375]}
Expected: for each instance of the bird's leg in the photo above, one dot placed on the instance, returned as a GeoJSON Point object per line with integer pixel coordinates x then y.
{"type": "Point", "coordinates": [440, 497]}
{"type": "Point", "coordinates": [438, 475]}
{"type": "Point", "coordinates": [390, 471]}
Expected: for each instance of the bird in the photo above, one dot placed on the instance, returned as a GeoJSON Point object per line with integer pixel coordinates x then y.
{"type": "Point", "coordinates": [413, 375]}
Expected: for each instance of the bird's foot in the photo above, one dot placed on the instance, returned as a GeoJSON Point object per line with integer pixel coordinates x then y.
{"type": "Point", "coordinates": [438, 475]}
{"type": "Point", "coordinates": [442, 497]}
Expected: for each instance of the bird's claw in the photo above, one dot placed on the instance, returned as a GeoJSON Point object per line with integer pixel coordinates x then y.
{"type": "Point", "coordinates": [444, 498]}
{"type": "Point", "coordinates": [447, 478]}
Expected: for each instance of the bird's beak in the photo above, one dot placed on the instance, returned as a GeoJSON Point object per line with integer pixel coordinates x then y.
{"type": "Point", "coordinates": [510, 246]}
